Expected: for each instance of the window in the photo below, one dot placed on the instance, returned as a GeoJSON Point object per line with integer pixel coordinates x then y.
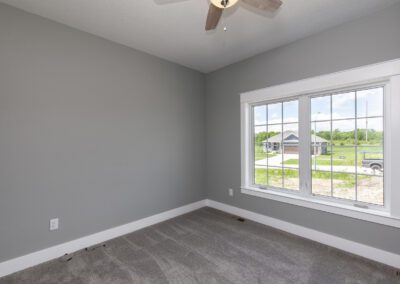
{"type": "Point", "coordinates": [325, 143]}
{"type": "Point", "coordinates": [347, 145]}
{"type": "Point", "coordinates": [276, 128]}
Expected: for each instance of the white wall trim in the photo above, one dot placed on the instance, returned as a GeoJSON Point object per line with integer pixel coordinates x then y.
{"type": "Point", "coordinates": [35, 258]}
{"type": "Point", "coordinates": [386, 74]}
{"type": "Point", "coordinates": [370, 215]}
{"type": "Point", "coordinates": [369, 252]}
{"type": "Point", "coordinates": [327, 82]}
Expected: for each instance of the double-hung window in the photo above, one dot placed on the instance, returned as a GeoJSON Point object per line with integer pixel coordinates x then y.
{"type": "Point", "coordinates": [326, 143]}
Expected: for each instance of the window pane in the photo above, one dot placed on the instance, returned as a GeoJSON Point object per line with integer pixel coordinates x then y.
{"type": "Point", "coordinates": [344, 159]}
{"type": "Point", "coordinates": [343, 132]}
{"type": "Point", "coordinates": [370, 160]}
{"type": "Point", "coordinates": [291, 179]}
{"type": "Point", "coordinates": [321, 183]}
{"type": "Point", "coordinates": [275, 177]}
{"type": "Point", "coordinates": [274, 145]}
{"type": "Point", "coordinates": [344, 185]}
{"type": "Point", "coordinates": [291, 111]}
{"type": "Point", "coordinates": [290, 147]}
{"type": "Point", "coordinates": [260, 115]}
{"type": "Point", "coordinates": [291, 130]}
{"type": "Point", "coordinates": [370, 102]}
{"type": "Point", "coordinates": [320, 145]}
{"type": "Point", "coordinates": [275, 113]}
{"type": "Point", "coordinates": [260, 145]}
{"type": "Point", "coordinates": [370, 131]}
{"type": "Point", "coordinates": [322, 131]}
{"type": "Point", "coordinates": [370, 189]}
{"type": "Point", "coordinates": [321, 162]}
{"type": "Point", "coordinates": [321, 108]}
{"type": "Point", "coordinates": [371, 172]}
{"type": "Point", "coordinates": [343, 106]}
{"type": "Point", "coordinates": [260, 176]}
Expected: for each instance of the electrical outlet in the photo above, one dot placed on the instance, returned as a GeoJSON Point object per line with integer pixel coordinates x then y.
{"type": "Point", "coordinates": [54, 224]}
{"type": "Point", "coordinates": [230, 191]}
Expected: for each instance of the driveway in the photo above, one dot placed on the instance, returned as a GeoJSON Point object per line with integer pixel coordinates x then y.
{"type": "Point", "coordinates": [276, 161]}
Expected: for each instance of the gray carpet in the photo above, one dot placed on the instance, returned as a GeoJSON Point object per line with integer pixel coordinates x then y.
{"type": "Point", "coordinates": [208, 246]}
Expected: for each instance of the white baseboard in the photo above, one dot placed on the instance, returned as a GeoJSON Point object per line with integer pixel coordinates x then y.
{"type": "Point", "coordinates": [372, 253]}
{"type": "Point", "coordinates": [32, 259]}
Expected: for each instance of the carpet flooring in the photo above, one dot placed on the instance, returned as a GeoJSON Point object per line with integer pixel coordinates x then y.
{"type": "Point", "coordinates": [208, 246]}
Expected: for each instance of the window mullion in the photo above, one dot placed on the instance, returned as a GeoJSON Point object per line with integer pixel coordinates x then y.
{"type": "Point", "coordinates": [391, 140]}
{"type": "Point", "coordinates": [304, 145]}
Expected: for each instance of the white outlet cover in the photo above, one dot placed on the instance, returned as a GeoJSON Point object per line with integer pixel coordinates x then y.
{"type": "Point", "coordinates": [230, 192]}
{"type": "Point", "coordinates": [53, 224]}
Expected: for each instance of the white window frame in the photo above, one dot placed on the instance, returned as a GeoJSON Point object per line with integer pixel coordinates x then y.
{"type": "Point", "coordinates": [385, 74]}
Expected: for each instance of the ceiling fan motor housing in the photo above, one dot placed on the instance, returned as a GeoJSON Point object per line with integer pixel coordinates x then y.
{"type": "Point", "coordinates": [224, 3]}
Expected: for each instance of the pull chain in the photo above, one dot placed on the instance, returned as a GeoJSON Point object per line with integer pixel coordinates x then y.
{"type": "Point", "coordinates": [225, 28]}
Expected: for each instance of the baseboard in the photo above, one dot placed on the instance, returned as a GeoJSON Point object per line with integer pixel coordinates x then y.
{"type": "Point", "coordinates": [362, 250]}
{"type": "Point", "coordinates": [32, 259]}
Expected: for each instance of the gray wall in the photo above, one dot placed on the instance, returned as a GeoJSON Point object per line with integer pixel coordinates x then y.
{"type": "Point", "coordinates": [92, 132]}
{"type": "Point", "coordinates": [99, 135]}
{"type": "Point", "coordinates": [367, 40]}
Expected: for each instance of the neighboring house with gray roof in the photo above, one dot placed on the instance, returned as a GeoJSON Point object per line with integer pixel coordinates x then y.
{"type": "Point", "coordinates": [288, 143]}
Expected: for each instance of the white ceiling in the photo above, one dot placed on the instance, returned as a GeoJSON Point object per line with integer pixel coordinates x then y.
{"type": "Point", "coordinates": [174, 29]}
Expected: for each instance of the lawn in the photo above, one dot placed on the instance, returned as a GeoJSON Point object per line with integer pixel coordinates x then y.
{"type": "Point", "coordinates": [342, 156]}
{"type": "Point", "coordinates": [275, 176]}
{"type": "Point", "coordinates": [370, 188]}
{"type": "Point", "coordinates": [340, 185]}
{"type": "Point", "coordinates": [259, 153]}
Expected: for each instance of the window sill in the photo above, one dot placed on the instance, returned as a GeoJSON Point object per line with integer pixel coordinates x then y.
{"type": "Point", "coordinates": [370, 215]}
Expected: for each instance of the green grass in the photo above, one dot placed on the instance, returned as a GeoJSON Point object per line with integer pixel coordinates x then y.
{"type": "Point", "coordinates": [348, 180]}
{"type": "Point", "coordinates": [274, 176]}
{"type": "Point", "coordinates": [259, 153]}
{"type": "Point", "coordinates": [342, 156]}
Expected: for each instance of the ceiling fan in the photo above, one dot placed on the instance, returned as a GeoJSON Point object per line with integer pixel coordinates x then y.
{"type": "Point", "coordinates": [218, 6]}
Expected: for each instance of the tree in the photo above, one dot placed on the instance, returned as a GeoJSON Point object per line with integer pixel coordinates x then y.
{"type": "Point", "coordinates": [262, 136]}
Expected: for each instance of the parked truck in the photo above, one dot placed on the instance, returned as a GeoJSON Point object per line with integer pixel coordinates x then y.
{"type": "Point", "coordinates": [372, 160]}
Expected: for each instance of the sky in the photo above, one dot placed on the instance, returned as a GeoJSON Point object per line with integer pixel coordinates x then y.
{"type": "Point", "coordinates": [351, 106]}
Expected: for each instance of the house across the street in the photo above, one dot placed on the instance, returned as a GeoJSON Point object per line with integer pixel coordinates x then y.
{"type": "Point", "coordinates": [290, 143]}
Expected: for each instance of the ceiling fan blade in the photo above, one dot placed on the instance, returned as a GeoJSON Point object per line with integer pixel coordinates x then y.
{"type": "Point", "coordinates": [266, 5]}
{"type": "Point", "coordinates": [214, 14]}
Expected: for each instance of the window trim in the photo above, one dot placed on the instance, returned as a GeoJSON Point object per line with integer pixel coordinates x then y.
{"type": "Point", "coordinates": [386, 74]}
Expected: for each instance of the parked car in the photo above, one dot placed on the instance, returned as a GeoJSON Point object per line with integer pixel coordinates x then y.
{"type": "Point", "coordinates": [372, 160]}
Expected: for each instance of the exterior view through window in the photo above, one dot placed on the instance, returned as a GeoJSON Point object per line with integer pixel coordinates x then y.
{"type": "Point", "coordinates": [276, 145]}
{"type": "Point", "coordinates": [347, 145]}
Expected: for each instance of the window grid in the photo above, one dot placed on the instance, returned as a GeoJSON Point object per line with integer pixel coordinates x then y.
{"type": "Point", "coordinates": [356, 147]}
{"type": "Point", "coordinates": [267, 126]}
{"type": "Point", "coordinates": [343, 119]}
{"type": "Point", "coordinates": [335, 170]}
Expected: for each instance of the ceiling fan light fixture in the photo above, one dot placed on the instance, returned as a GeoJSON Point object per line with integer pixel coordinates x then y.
{"type": "Point", "coordinates": [220, 3]}
{"type": "Point", "coordinates": [217, 7]}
